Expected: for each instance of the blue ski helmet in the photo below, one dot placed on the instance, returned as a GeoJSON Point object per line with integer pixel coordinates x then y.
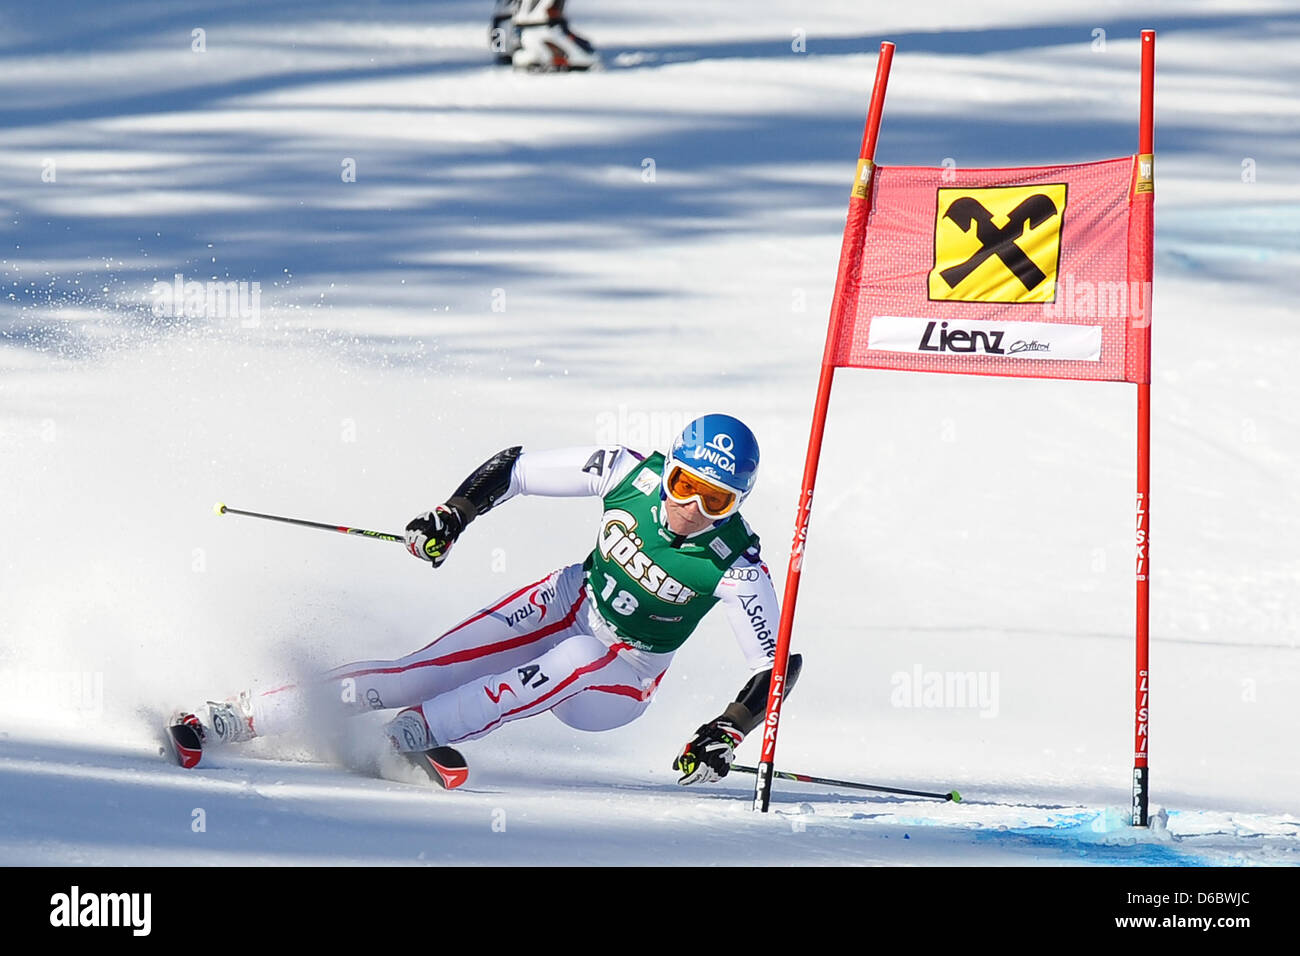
{"type": "Point", "coordinates": [720, 448]}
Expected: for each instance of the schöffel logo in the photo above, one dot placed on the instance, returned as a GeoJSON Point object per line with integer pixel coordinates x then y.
{"type": "Point", "coordinates": [758, 621]}
{"type": "Point", "coordinates": [1017, 340]}
{"type": "Point", "coordinates": [997, 244]}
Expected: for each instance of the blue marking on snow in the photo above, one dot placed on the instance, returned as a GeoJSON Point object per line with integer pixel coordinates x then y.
{"type": "Point", "coordinates": [1102, 837]}
{"type": "Point", "coordinates": [1083, 843]}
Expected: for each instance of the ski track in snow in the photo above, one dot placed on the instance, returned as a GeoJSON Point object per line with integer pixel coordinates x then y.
{"type": "Point", "coordinates": [964, 526]}
{"type": "Point", "coordinates": [302, 813]}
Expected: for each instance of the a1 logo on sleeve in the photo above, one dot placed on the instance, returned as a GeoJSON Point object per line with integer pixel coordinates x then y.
{"type": "Point", "coordinates": [596, 463]}
{"type": "Point", "coordinates": [998, 243]}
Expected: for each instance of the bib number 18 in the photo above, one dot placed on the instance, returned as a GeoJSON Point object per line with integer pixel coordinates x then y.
{"type": "Point", "coordinates": [623, 603]}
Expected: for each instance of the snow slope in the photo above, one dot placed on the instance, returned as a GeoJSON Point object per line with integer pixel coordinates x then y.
{"type": "Point", "coordinates": [505, 269]}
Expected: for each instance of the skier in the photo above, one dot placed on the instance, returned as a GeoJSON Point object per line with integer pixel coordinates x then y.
{"type": "Point", "coordinates": [534, 35]}
{"type": "Point", "coordinates": [589, 642]}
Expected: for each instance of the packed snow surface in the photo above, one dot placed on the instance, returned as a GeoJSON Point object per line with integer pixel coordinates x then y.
{"type": "Point", "coordinates": [578, 259]}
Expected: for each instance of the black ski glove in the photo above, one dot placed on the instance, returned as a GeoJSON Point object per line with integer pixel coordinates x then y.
{"type": "Point", "coordinates": [709, 755]}
{"type": "Point", "coordinates": [430, 536]}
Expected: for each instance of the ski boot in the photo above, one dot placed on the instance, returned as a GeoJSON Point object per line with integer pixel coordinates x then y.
{"type": "Point", "coordinates": [228, 722]}
{"type": "Point", "coordinates": [409, 734]}
{"type": "Point", "coordinates": [546, 44]}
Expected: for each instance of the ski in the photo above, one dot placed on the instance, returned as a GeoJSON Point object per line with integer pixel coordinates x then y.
{"type": "Point", "coordinates": [445, 766]}
{"type": "Point", "coordinates": [183, 741]}
{"type": "Point", "coordinates": [183, 745]}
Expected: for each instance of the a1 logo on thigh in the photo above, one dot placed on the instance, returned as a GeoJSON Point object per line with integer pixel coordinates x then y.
{"type": "Point", "coordinates": [531, 676]}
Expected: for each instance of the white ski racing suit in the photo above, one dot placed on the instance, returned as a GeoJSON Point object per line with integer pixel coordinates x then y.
{"type": "Point", "coordinates": [543, 646]}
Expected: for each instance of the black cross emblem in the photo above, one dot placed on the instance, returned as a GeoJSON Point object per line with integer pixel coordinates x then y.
{"type": "Point", "coordinates": [1034, 211]}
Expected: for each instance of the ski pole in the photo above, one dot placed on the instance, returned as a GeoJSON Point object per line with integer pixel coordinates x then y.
{"type": "Point", "coordinates": [221, 509]}
{"type": "Point", "coordinates": [952, 795]}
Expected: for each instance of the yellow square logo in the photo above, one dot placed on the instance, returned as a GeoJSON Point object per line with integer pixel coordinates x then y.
{"type": "Point", "coordinates": [997, 244]}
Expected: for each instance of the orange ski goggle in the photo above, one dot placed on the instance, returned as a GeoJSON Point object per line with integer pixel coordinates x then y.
{"type": "Point", "coordinates": [714, 500]}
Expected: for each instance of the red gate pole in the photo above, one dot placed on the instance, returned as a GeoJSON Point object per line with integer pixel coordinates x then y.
{"type": "Point", "coordinates": [846, 286]}
{"type": "Point", "coordinates": [1142, 706]}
